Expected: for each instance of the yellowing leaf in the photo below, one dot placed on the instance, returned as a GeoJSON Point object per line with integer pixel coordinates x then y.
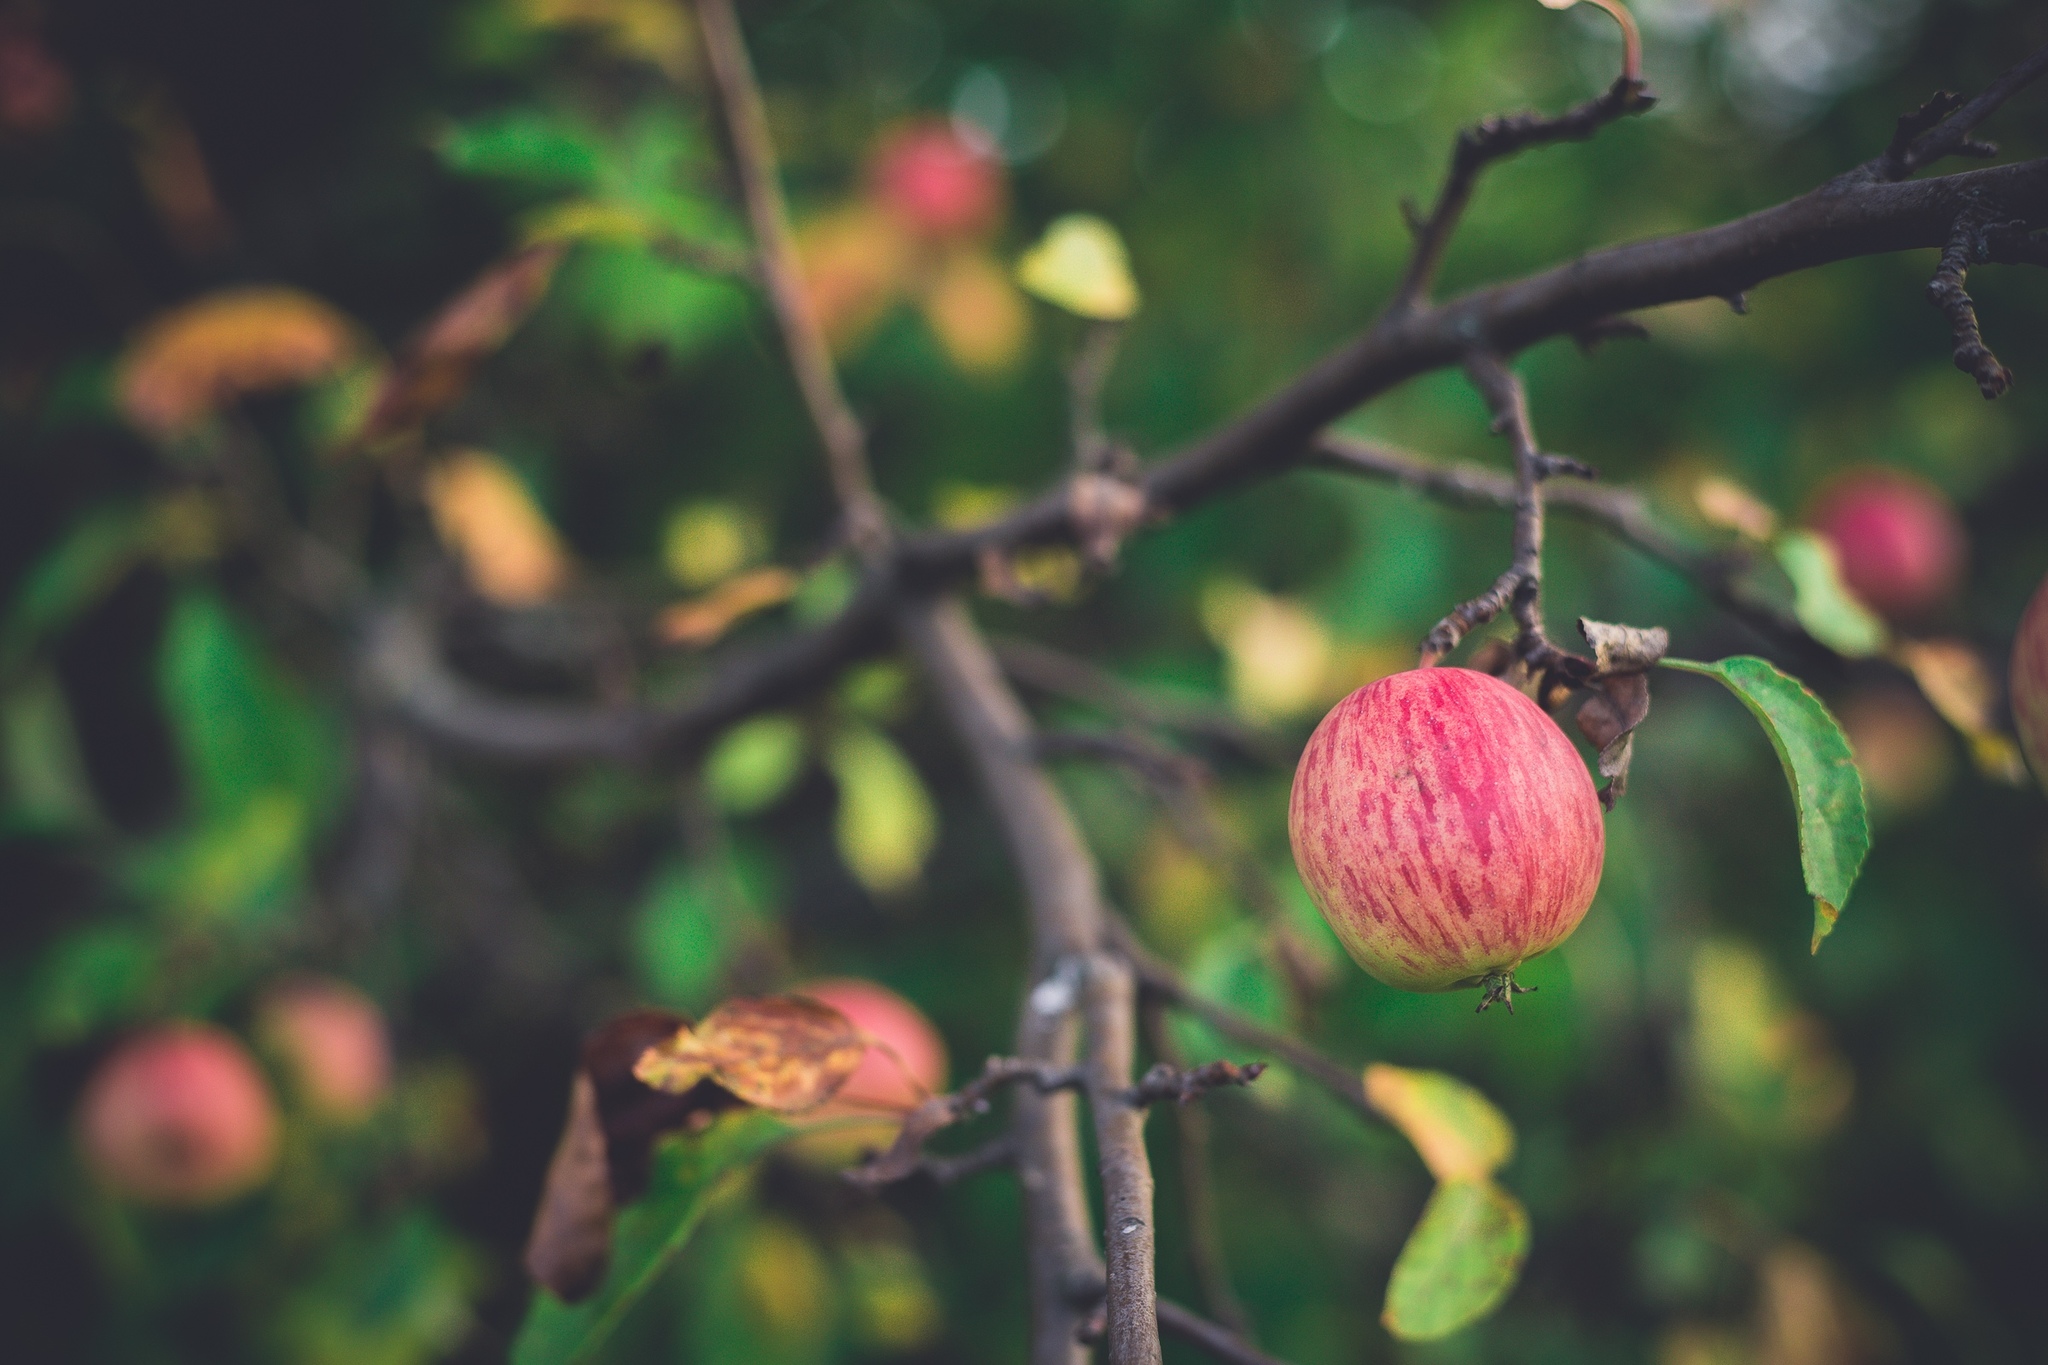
{"type": "Point", "coordinates": [701, 620]}
{"type": "Point", "coordinates": [1729, 505]}
{"type": "Point", "coordinates": [753, 763]}
{"type": "Point", "coordinates": [587, 220]}
{"type": "Point", "coordinates": [1456, 1130]}
{"type": "Point", "coordinates": [710, 540]}
{"type": "Point", "coordinates": [196, 359]}
{"type": "Point", "coordinates": [886, 825]}
{"type": "Point", "coordinates": [1459, 1263]}
{"type": "Point", "coordinates": [485, 514]}
{"type": "Point", "coordinates": [1958, 682]}
{"type": "Point", "coordinates": [977, 313]}
{"type": "Point", "coordinates": [785, 1053]}
{"type": "Point", "coordinates": [1281, 661]}
{"type": "Point", "coordinates": [856, 263]}
{"type": "Point", "coordinates": [1081, 265]}
{"type": "Point", "coordinates": [1752, 1058]}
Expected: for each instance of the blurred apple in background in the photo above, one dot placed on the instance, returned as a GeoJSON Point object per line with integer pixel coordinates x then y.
{"type": "Point", "coordinates": [938, 185]}
{"type": "Point", "coordinates": [1897, 541]}
{"type": "Point", "coordinates": [179, 1116]}
{"type": "Point", "coordinates": [333, 1042]}
{"type": "Point", "coordinates": [1902, 749]}
{"type": "Point", "coordinates": [884, 1087]}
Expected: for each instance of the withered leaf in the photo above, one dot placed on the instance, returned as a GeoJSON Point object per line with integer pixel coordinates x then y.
{"type": "Point", "coordinates": [1624, 649]}
{"type": "Point", "coordinates": [784, 1053]}
{"type": "Point", "coordinates": [704, 618]}
{"type": "Point", "coordinates": [438, 363]}
{"type": "Point", "coordinates": [572, 1229]}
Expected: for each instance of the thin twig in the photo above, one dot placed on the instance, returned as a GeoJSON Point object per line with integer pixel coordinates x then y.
{"type": "Point", "coordinates": [1946, 292]}
{"type": "Point", "coordinates": [1520, 588]}
{"type": "Point", "coordinates": [753, 151]}
{"type": "Point", "coordinates": [1215, 1338]}
{"type": "Point", "coordinates": [1487, 142]}
{"type": "Point", "coordinates": [906, 1155]}
{"type": "Point", "coordinates": [1206, 1256]}
{"type": "Point", "coordinates": [1094, 453]}
{"type": "Point", "coordinates": [1951, 135]}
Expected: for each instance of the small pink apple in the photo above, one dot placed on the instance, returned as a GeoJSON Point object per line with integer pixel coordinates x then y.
{"type": "Point", "coordinates": [179, 1116]}
{"type": "Point", "coordinates": [1898, 542]}
{"type": "Point", "coordinates": [941, 186]}
{"type": "Point", "coordinates": [333, 1042]}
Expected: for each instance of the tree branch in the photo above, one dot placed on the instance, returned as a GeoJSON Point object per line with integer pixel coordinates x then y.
{"type": "Point", "coordinates": [1946, 292]}
{"type": "Point", "coordinates": [1216, 1339]}
{"type": "Point", "coordinates": [1932, 132]}
{"type": "Point", "coordinates": [1492, 140]}
{"type": "Point", "coordinates": [753, 152]}
{"type": "Point", "coordinates": [1110, 1000]}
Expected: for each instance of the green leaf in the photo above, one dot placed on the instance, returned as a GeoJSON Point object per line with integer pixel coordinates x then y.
{"type": "Point", "coordinates": [1460, 1261]}
{"type": "Point", "coordinates": [523, 144]}
{"type": "Point", "coordinates": [1081, 265]}
{"type": "Point", "coordinates": [94, 555]}
{"type": "Point", "coordinates": [754, 763]}
{"type": "Point", "coordinates": [46, 786]}
{"type": "Point", "coordinates": [1823, 603]}
{"type": "Point", "coordinates": [887, 824]}
{"type": "Point", "coordinates": [688, 925]}
{"type": "Point", "coordinates": [1834, 826]}
{"type": "Point", "coordinates": [1457, 1131]}
{"type": "Point", "coordinates": [649, 1234]}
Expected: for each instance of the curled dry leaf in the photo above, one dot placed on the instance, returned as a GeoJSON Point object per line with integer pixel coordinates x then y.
{"type": "Point", "coordinates": [703, 619]}
{"type": "Point", "coordinates": [1104, 510]}
{"type": "Point", "coordinates": [1621, 695]}
{"type": "Point", "coordinates": [189, 363]}
{"type": "Point", "coordinates": [572, 1229]}
{"type": "Point", "coordinates": [442, 357]}
{"type": "Point", "coordinates": [784, 1053]}
{"type": "Point", "coordinates": [1457, 1131]}
{"type": "Point", "coordinates": [483, 512]}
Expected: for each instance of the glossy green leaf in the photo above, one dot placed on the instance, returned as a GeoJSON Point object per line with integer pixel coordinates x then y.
{"type": "Point", "coordinates": [649, 1233]}
{"type": "Point", "coordinates": [1460, 1261]}
{"type": "Point", "coordinates": [887, 823]}
{"type": "Point", "coordinates": [1834, 825]}
{"type": "Point", "coordinates": [1823, 603]}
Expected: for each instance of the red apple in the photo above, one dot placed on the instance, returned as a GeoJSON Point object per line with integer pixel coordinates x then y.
{"type": "Point", "coordinates": [2030, 682]}
{"type": "Point", "coordinates": [884, 1082]}
{"type": "Point", "coordinates": [1446, 828]}
{"type": "Point", "coordinates": [1896, 538]}
{"type": "Point", "coordinates": [332, 1039]}
{"type": "Point", "coordinates": [939, 185]}
{"type": "Point", "coordinates": [179, 1116]}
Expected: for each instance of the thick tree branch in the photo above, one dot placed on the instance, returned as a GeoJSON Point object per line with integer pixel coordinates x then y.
{"type": "Point", "coordinates": [746, 120]}
{"type": "Point", "coordinates": [1111, 1008]}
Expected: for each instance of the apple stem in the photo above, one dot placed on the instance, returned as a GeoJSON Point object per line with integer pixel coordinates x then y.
{"type": "Point", "coordinates": [1503, 987]}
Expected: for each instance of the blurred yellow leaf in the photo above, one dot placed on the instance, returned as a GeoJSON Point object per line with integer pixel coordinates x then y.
{"type": "Point", "coordinates": [963, 506]}
{"type": "Point", "coordinates": [701, 620]}
{"type": "Point", "coordinates": [1730, 506]}
{"type": "Point", "coordinates": [785, 1053]}
{"type": "Point", "coordinates": [887, 825]}
{"type": "Point", "coordinates": [976, 313]}
{"type": "Point", "coordinates": [856, 263]}
{"type": "Point", "coordinates": [1959, 683]}
{"type": "Point", "coordinates": [189, 363]}
{"type": "Point", "coordinates": [710, 540]}
{"type": "Point", "coordinates": [587, 220]}
{"type": "Point", "coordinates": [1456, 1130]}
{"type": "Point", "coordinates": [894, 1305]}
{"type": "Point", "coordinates": [1081, 265]}
{"type": "Point", "coordinates": [485, 514]}
{"type": "Point", "coordinates": [1756, 1060]}
{"type": "Point", "coordinates": [785, 1286]}
{"type": "Point", "coordinates": [1280, 659]}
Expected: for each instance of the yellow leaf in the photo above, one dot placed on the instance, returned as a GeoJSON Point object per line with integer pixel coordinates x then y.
{"type": "Point", "coordinates": [196, 359]}
{"type": "Point", "coordinates": [587, 220]}
{"type": "Point", "coordinates": [1456, 1130]}
{"type": "Point", "coordinates": [710, 540]}
{"type": "Point", "coordinates": [886, 825]}
{"type": "Point", "coordinates": [485, 514]}
{"type": "Point", "coordinates": [977, 313]}
{"type": "Point", "coordinates": [1281, 660]}
{"type": "Point", "coordinates": [701, 620]}
{"type": "Point", "coordinates": [1081, 265]}
{"type": "Point", "coordinates": [785, 1053]}
{"type": "Point", "coordinates": [1730, 506]}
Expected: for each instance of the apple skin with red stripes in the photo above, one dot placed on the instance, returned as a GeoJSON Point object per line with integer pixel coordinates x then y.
{"type": "Point", "coordinates": [2030, 682]}
{"type": "Point", "coordinates": [1446, 828]}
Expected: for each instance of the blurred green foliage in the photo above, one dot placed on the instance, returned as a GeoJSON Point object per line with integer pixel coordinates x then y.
{"type": "Point", "coordinates": [1729, 1149]}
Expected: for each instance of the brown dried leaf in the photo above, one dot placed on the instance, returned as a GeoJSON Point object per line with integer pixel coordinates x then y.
{"type": "Point", "coordinates": [1624, 649]}
{"type": "Point", "coordinates": [1608, 720]}
{"type": "Point", "coordinates": [572, 1230]}
{"type": "Point", "coordinates": [704, 618]}
{"type": "Point", "coordinates": [189, 363]}
{"type": "Point", "coordinates": [783, 1053]}
{"type": "Point", "coordinates": [634, 1114]}
{"type": "Point", "coordinates": [1104, 510]}
{"type": "Point", "coordinates": [443, 356]}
